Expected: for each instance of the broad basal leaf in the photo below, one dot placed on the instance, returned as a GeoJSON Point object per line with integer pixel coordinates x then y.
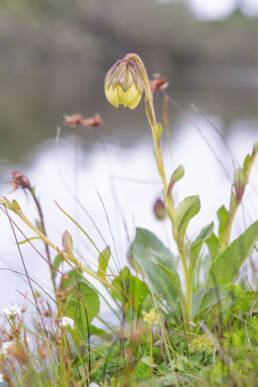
{"type": "Point", "coordinates": [158, 266]}
{"type": "Point", "coordinates": [82, 303]}
{"type": "Point", "coordinates": [227, 265]}
{"type": "Point", "coordinates": [129, 289]}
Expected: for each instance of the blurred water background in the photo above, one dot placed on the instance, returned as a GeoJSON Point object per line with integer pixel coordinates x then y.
{"type": "Point", "coordinates": [53, 60]}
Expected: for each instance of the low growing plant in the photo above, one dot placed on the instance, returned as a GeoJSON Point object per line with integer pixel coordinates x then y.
{"type": "Point", "coordinates": [165, 332]}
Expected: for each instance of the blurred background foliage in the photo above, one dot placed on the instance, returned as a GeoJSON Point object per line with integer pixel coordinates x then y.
{"type": "Point", "coordinates": [54, 55]}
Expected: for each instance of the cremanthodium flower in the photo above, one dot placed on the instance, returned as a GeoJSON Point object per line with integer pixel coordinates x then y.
{"type": "Point", "coordinates": [124, 84]}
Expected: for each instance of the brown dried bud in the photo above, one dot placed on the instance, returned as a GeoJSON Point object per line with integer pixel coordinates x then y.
{"type": "Point", "coordinates": [92, 121]}
{"type": "Point", "coordinates": [73, 120]}
{"type": "Point", "coordinates": [159, 209]}
{"type": "Point", "coordinates": [43, 351]}
{"type": "Point", "coordinates": [20, 181]}
{"type": "Point", "coordinates": [18, 352]}
{"type": "Point", "coordinates": [158, 83]}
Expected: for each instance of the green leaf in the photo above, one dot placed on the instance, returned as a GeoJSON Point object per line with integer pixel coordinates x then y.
{"type": "Point", "coordinates": [38, 225]}
{"type": "Point", "coordinates": [196, 245]}
{"type": "Point", "coordinates": [204, 299]}
{"type": "Point", "coordinates": [205, 233]}
{"type": "Point", "coordinates": [160, 129]}
{"type": "Point", "coordinates": [158, 266]}
{"type": "Point", "coordinates": [97, 331]}
{"type": "Point", "coordinates": [103, 262]}
{"type": "Point", "coordinates": [222, 214]}
{"type": "Point", "coordinates": [214, 246]}
{"type": "Point", "coordinates": [28, 239]}
{"type": "Point", "coordinates": [185, 211]}
{"type": "Point", "coordinates": [147, 360]}
{"type": "Point", "coordinates": [57, 262]}
{"type": "Point", "coordinates": [178, 173]}
{"type": "Point", "coordinates": [176, 176]}
{"type": "Point", "coordinates": [82, 303]}
{"type": "Point", "coordinates": [130, 290]}
{"type": "Point", "coordinates": [212, 297]}
{"type": "Point", "coordinates": [246, 162]}
{"type": "Point", "coordinates": [227, 265]}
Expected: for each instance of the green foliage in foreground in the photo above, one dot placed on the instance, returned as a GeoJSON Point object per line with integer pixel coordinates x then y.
{"type": "Point", "coordinates": [153, 342]}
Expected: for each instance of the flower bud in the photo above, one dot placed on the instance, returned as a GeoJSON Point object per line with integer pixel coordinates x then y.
{"type": "Point", "coordinates": [92, 121]}
{"type": "Point", "coordinates": [67, 243]}
{"type": "Point", "coordinates": [124, 84]}
{"type": "Point", "coordinates": [20, 181]}
{"type": "Point", "coordinates": [159, 209]}
{"type": "Point", "coordinates": [158, 83]}
{"type": "Point", "coordinates": [73, 120]}
{"type": "Point", "coordinates": [239, 184]}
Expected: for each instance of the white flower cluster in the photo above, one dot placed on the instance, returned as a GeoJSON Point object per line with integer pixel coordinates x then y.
{"type": "Point", "coordinates": [66, 322]}
{"type": "Point", "coordinates": [11, 311]}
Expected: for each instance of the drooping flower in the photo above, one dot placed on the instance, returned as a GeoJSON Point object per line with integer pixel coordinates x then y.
{"type": "Point", "coordinates": [124, 84]}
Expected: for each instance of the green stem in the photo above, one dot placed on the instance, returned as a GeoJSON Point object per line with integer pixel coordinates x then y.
{"type": "Point", "coordinates": [155, 132]}
{"type": "Point", "coordinates": [151, 346]}
{"type": "Point", "coordinates": [160, 164]}
{"type": "Point", "coordinates": [232, 213]}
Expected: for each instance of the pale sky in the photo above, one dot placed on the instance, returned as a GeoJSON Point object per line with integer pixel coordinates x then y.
{"type": "Point", "coordinates": [219, 9]}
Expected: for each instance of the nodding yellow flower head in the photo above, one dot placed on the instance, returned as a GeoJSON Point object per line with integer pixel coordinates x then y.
{"type": "Point", "coordinates": [124, 84]}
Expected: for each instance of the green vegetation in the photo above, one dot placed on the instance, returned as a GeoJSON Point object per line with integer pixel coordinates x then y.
{"type": "Point", "coordinates": [164, 331]}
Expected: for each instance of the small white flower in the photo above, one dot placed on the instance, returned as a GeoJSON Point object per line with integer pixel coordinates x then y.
{"type": "Point", "coordinates": [94, 385]}
{"type": "Point", "coordinates": [67, 321]}
{"type": "Point", "coordinates": [1, 378]}
{"type": "Point", "coordinates": [11, 311]}
{"type": "Point", "coordinates": [5, 346]}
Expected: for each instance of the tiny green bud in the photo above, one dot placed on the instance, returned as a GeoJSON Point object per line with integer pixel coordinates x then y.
{"type": "Point", "coordinates": [255, 147]}
{"type": "Point", "coordinates": [124, 84]}
{"type": "Point", "coordinates": [239, 184]}
{"type": "Point", "coordinates": [67, 243]}
{"type": "Point", "coordinates": [178, 173]}
{"type": "Point", "coordinates": [176, 176]}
